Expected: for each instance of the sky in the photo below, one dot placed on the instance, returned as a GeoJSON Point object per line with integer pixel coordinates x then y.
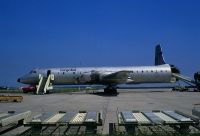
{"type": "Point", "coordinates": [79, 33]}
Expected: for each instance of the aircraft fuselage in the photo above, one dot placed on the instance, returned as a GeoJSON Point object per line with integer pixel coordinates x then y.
{"type": "Point", "coordinates": [95, 75]}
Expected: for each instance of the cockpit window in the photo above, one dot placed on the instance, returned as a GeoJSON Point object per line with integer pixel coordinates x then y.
{"type": "Point", "coordinates": [32, 71]}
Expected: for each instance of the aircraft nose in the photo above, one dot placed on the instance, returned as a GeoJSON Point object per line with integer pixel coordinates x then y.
{"type": "Point", "coordinates": [18, 80]}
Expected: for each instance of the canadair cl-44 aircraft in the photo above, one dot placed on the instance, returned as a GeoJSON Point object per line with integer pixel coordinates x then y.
{"type": "Point", "coordinates": [42, 80]}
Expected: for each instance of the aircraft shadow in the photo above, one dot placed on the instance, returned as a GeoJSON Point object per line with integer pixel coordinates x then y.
{"type": "Point", "coordinates": [105, 94]}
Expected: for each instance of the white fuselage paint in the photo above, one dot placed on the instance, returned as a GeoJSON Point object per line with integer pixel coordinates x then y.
{"type": "Point", "coordinates": [66, 76]}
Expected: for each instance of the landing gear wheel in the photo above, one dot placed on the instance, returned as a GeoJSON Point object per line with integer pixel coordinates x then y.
{"type": "Point", "coordinates": [110, 90]}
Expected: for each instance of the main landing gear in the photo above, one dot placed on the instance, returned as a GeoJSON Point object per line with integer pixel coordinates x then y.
{"type": "Point", "coordinates": [110, 90]}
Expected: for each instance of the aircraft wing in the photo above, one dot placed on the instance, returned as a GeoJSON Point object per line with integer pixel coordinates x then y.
{"type": "Point", "coordinates": [117, 77]}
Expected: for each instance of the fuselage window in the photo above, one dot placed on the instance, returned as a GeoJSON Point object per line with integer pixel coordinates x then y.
{"type": "Point", "coordinates": [63, 73]}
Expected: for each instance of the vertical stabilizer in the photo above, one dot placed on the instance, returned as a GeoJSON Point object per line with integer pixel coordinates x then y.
{"type": "Point", "coordinates": [159, 59]}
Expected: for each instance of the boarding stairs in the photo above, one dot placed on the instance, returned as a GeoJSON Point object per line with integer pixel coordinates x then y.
{"type": "Point", "coordinates": [44, 84]}
{"type": "Point", "coordinates": [184, 79]}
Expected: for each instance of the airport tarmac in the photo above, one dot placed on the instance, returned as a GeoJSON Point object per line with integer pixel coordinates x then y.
{"type": "Point", "coordinates": [127, 99]}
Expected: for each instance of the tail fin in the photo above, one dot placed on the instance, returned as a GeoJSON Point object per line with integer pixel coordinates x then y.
{"type": "Point", "coordinates": [159, 59]}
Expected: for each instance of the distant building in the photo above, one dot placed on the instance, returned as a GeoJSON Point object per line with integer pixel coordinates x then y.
{"type": "Point", "coordinates": [3, 87]}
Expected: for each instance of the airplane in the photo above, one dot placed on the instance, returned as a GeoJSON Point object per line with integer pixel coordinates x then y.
{"type": "Point", "coordinates": [110, 77]}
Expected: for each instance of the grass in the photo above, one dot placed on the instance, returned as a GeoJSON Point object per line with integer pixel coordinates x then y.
{"type": "Point", "coordinates": [56, 90]}
{"type": "Point", "coordinates": [11, 91]}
